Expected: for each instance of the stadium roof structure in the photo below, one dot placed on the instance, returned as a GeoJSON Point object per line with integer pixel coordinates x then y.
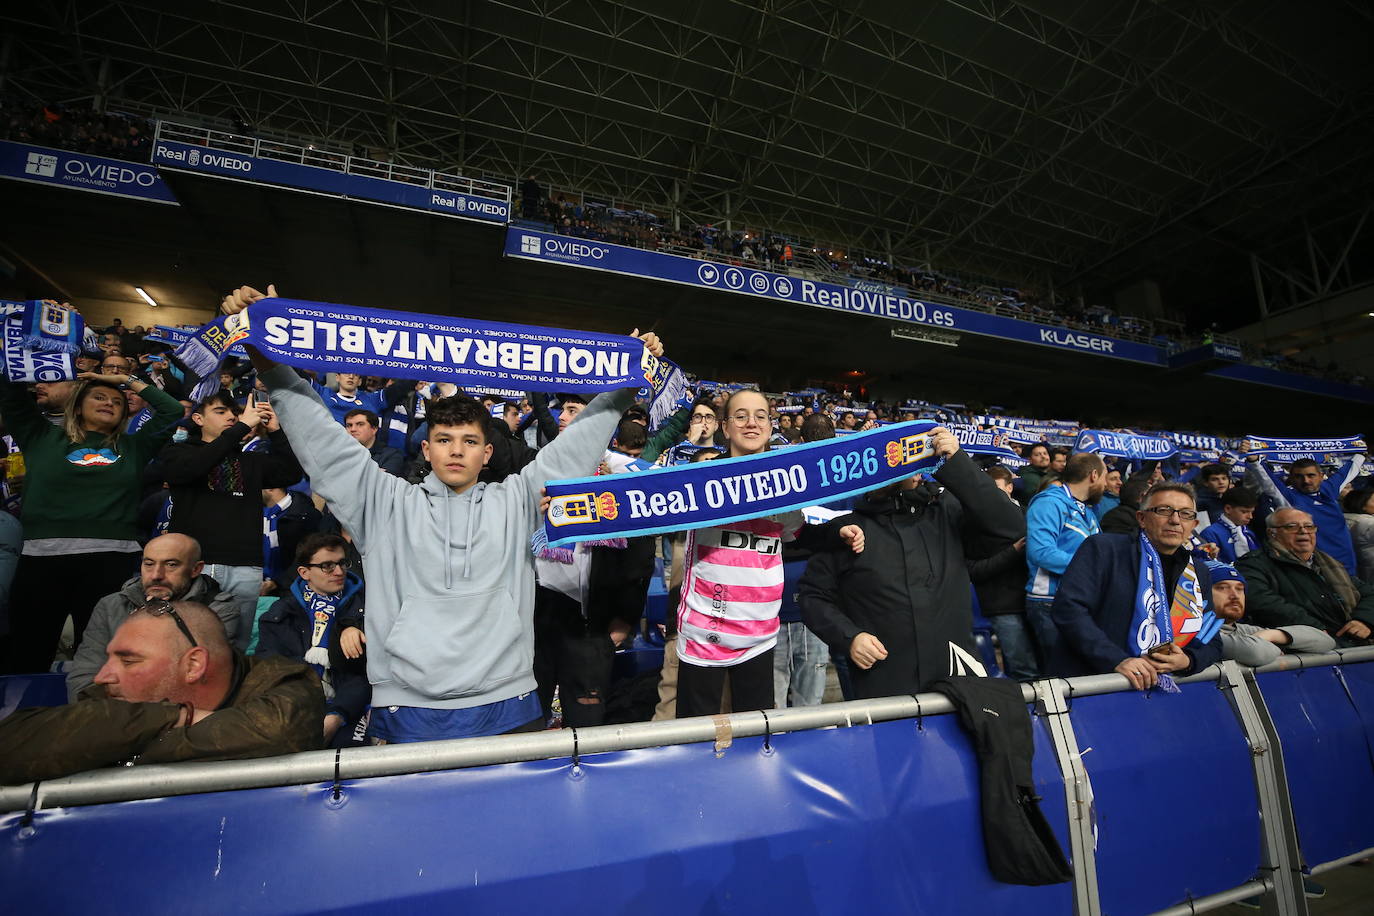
{"type": "Point", "coordinates": [1079, 143]}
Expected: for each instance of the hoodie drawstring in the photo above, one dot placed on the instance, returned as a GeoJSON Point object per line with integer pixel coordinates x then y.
{"type": "Point", "coordinates": [448, 546]}
{"type": "Point", "coordinates": [467, 549]}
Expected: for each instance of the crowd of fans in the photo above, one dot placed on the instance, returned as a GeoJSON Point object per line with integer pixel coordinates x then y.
{"type": "Point", "coordinates": [76, 128]}
{"type": "Point", "coordinates": [294, 561]}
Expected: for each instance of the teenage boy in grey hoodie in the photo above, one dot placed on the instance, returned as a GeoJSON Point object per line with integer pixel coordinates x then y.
{"type": "Point", "coordinates": [449, 569]}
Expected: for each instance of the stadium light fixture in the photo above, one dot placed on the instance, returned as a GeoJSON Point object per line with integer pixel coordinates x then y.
{"type": "Point", "coordinates": [146, 298]}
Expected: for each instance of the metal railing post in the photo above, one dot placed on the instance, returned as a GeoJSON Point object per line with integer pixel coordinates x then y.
{"type": "Point", "coordinates": [1078, 794]}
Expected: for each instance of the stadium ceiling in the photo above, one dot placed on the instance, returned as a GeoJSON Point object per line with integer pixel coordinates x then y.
{"type": "Point", "coordinates": [1064, 141]}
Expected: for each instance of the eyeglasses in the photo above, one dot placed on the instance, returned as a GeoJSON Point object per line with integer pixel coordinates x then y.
{"type": "Point", "coordinates": [1306, 528]}
{"type": "Point", "coordinates": [329, 565]}
{"type": "Point", "coordinates": [165, 609]}
{"type": "Point", "coordinates": [1187, 515]}
{"type": "Point", "coordinates": [760, 417]}
{"type": "Point", "coordinates": [703, 417]}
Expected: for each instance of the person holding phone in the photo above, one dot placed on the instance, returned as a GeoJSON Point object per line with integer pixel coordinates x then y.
{"type": "Point", "coordinates": [216, 490]}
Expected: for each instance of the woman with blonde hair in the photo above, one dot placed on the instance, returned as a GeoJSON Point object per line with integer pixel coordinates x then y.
{"type": "Point", "coordinates": [81, 495]}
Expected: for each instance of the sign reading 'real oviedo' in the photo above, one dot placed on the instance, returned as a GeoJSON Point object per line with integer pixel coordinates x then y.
{"type": "Point", "coordinates": [656, 265]}
{"type": "Point", "coordinates": [187, 157]}
{"type": "Point", "coordinates": [41, 165]}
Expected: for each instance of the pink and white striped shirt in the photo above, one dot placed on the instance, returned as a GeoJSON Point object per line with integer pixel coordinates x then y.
{"type": "Point", "coordinates": [732, 590]}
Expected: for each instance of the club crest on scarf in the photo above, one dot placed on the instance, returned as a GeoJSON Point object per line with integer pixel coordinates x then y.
{"type": "Point", "coordinates": [582, 508]}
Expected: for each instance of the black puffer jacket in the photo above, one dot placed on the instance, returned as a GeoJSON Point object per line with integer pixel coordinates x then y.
{"type": "Point", "coordinates": [910, 586]}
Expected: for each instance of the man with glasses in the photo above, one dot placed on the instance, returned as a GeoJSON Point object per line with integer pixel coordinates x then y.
{"type": "Point", "coordinates": [319, 621]}
{"type": "Point", "coordinates": [171, 689]}
{"type": "Point", "coordinates": [171, 570]}
{"type": "Point", "coordinates": [1308, 489]}
{"type": "Point", "coordinates": [1291, 581]}
{"type": "Point", "coordinates": [1095, 607]}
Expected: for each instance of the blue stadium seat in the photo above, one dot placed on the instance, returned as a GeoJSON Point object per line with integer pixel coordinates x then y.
{"type": "Point", "coordinates": [19, 691]}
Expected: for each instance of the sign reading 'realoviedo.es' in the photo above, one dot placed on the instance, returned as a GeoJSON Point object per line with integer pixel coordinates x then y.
{"type": "Point", "coordinates": [533, 245]}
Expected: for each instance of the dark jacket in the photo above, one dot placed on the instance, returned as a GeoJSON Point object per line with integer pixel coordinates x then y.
{"type": "Point", "coordinates": [1031, 478]}
{"type": "Point", "coordinates": [998, 571]}
{"type": "Point", "coordinates": [274, 706]}
{"type": "Point", "coordinates": [388, 459]}
{"type": "Point", "coordinates": [1095, 603]}
{"type": "Point", "coordinates": [1021, 847]}
{"type": "Point", "coordinates": [299, 519]}
{"type": "Point", "coordinates": [285, 629]}
{"type": "Point", "coordinates": [217, 492]}
{"type": "Point", "coordinates": [1121, 520]}
{"type": "Point", "coordinates": [910, 586]}
{"type": "Point", "coordinates": [1282, 592]}
{"type": "Point", "coordinates": [510, 453]}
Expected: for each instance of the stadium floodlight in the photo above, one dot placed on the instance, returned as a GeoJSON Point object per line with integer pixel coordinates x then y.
{"type": "Point", "coordinates": [927, 335]}
{"type": "Point", "coordinates": [146, 298]}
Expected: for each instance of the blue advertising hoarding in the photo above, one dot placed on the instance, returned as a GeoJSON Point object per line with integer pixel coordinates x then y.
{"type": "Point", "coordinates": [656, 265]}
{"type": "Point", "coordinates": [203, 160]}
{"type": "Point", "coordinates": [41, 165]}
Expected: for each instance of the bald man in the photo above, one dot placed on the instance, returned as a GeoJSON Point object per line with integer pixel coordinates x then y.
{"type": "Point", "coordinates": [171, 689]}
{"type": "Point", "coordinates": [170, 571]}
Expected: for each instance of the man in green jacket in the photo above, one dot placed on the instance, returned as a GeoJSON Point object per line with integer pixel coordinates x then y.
{"type": "Point", "coordinates": [1291, 582]}
{"type": "Point", "coordinates": [171, 689]}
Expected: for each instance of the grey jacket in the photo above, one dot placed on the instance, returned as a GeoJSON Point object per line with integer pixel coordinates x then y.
{"type": "Point", "coordinates": [1239, 642]}
{"type": "Point", "coordinates": [450, 577]}
{"type": "Point", "coordinates": [110, 612]}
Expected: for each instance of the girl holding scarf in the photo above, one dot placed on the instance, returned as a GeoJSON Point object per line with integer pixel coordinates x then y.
{"type": "Point", "coordinates": [732, 590]}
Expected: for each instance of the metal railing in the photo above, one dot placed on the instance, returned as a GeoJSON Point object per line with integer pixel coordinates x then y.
{"type": "Point", "coordinates": [323, 158]}
{"type": "Point", "coordinates": [156, 781]}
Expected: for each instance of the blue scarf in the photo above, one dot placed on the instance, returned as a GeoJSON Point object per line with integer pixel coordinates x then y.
{"type": "Point", "coordinates": [320, 613]}
{"type": "Point", "coordinates": [731, 489]}
{"type": "Point", "coordinates": [271, 546]}
{"type": "Point", "coordinates": [23, 365]}
{"type": "Point", "coordinates": [1124, 445]}
{"type": "Point", "coordinates": [479, 355]}
{"type": "Point", "coordinates": [1161, 618]}
{"type": "Point", "coordinates": [977, 441]}
{"type": "Point", "coordinates": [49, 328]}
{"type": "Point", "coordinates": [1288, 450]}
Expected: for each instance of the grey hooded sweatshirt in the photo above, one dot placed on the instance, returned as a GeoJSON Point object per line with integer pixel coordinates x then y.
{"type": "Point", "coordinates": [450, 577]}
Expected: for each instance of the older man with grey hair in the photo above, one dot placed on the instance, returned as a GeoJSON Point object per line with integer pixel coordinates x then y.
{"type": "Point", "coordinates": [1289, 581]}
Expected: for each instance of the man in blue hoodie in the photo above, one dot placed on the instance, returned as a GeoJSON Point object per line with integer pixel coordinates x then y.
{"type": "Point", "coordinates": [448, 564]}
{"type": "Point", "coordinates": [1058, 520]}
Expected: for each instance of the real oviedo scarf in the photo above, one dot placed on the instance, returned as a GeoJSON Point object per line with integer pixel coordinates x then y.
{"type": "Point", "coordinates": [1160, 618]}
{"type": "Point", "coordinates": [711, 493]}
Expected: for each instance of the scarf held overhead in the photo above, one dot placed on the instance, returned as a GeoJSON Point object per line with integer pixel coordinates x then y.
{"type": "Point", "coordinates": [329, 337]}
{"type": "Point", "coordinates": [1285, 450]}
{"type": "Point", "coordinates": [1124, 445]}
{"type": "Point", "coordinates": [23, 365]}
{"type": "Point", "coordinates": [731, 489]}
